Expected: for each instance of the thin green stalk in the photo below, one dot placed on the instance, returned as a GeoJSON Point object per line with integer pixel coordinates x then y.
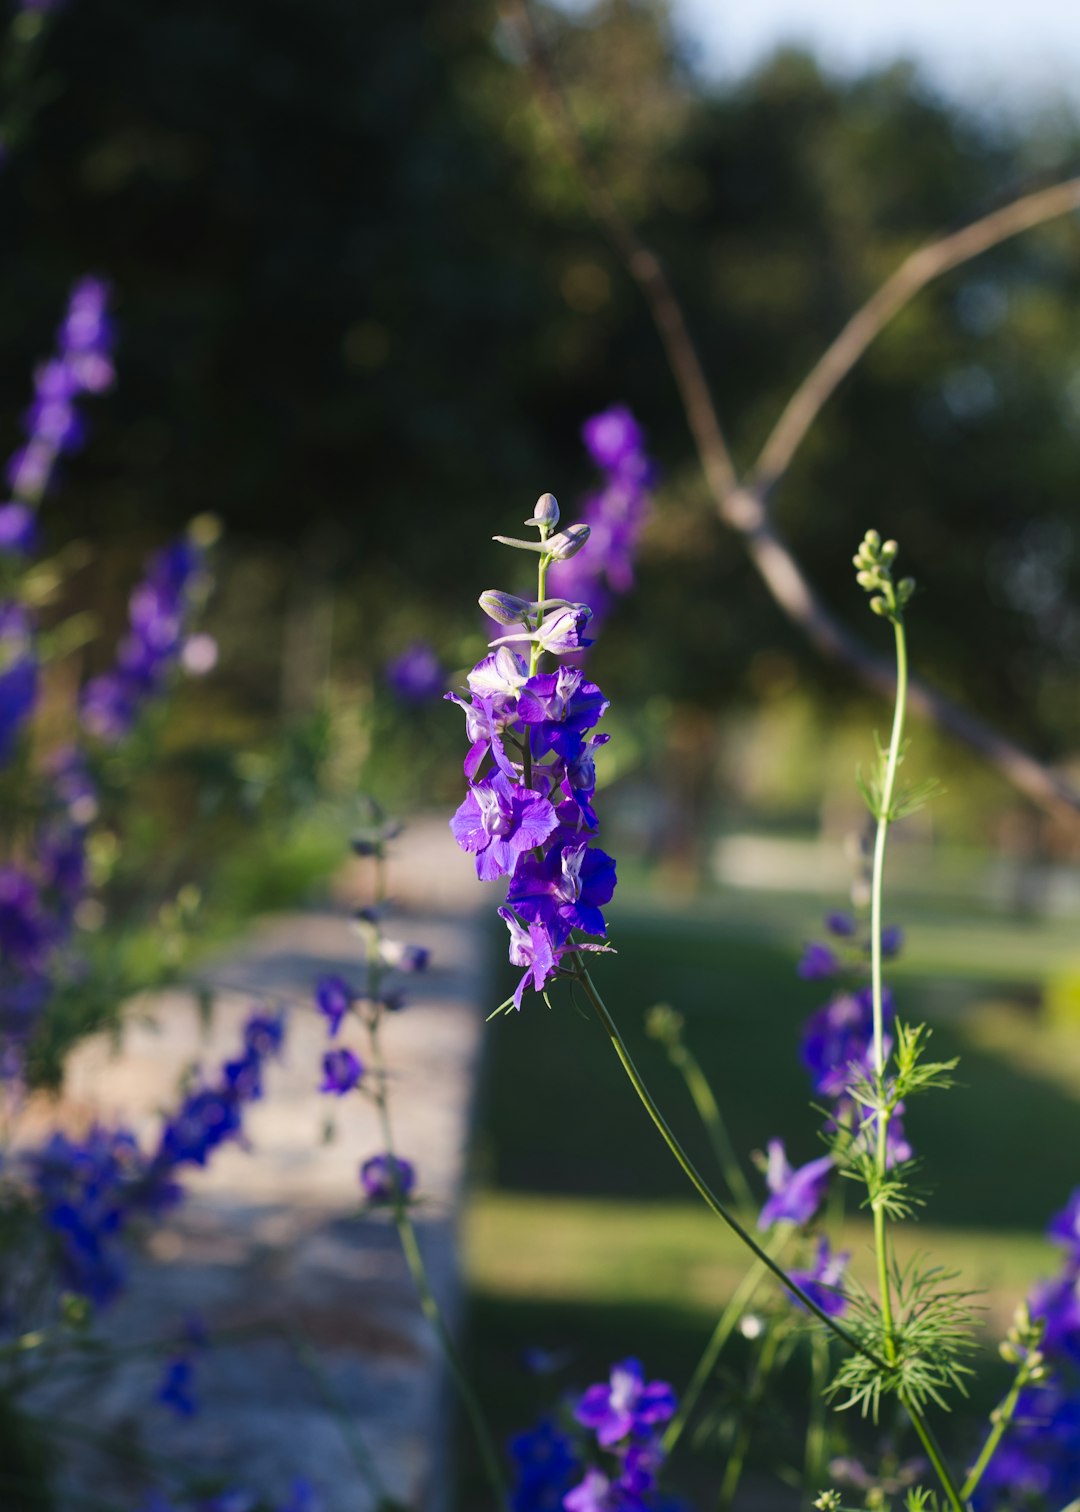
{"type": "Point", "coordinates": [361, 1455]}
{"type": "Point", "coordinates": [936, 1458]}
{"type": "Point", "coordinates": [697, 1180]}
{"type": "Point", "coordinates": [697, 1083]}
{"type": "Point", "coordinates": [429, 1304]}
{"type": "Point", "coordinates": [814, 1469]}
{"type": "Point", "coordinates": [1003, 1416]}
{"type": "Point", "coordinates": [714, 1203]}
{"type": "Point", "coordinates": [705, 1366]}
{"type": "Point", "coordinates": [737, 1458]}
{"type": "Point", "coordinates": [886, 799]}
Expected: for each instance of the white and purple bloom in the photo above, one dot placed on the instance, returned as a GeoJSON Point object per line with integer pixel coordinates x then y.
{"type": "Point", "coordinates": [625, 1405]}
{"type": "Point", "coordinates": [499, 822]}
{"type": "Point", "coordinates": [386, 1178]}
{"type": "Point", "coordinates": [796, 1194]}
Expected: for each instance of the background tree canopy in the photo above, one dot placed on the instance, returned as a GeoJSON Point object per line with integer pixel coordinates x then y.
{"type": "Point", "coordinates": [363, 312]}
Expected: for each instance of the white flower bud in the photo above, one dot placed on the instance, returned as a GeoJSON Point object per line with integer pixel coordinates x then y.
{"type": "Point", "coordinates": [545, 511]}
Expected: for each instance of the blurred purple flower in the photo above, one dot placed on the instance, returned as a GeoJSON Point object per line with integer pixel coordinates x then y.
{"type": "Point", "coordinates": [416, 674]}
{"type": "Point", "coordinates": [625, 1405]}
{"type": "Point", "coordinates": [386, 1177]}
{"type": "Point", "coordinates": [342, 1071]}
{"type": "Point", "coordinates": [796, 1194]}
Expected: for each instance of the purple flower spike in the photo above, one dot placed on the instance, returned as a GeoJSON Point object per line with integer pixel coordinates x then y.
{"type": "Point", "coordinates": [386, 1177]}
{"type": "Point", "coordinates": [499, 822]}
{"type": "Point", "coordinates": [796, 1195]}
{"type": "Point", "coordinates": [341, 1072]}
{"type": "Point", "coordinates": [625, 1405]}
{"type": "Point", "coordinates": [333, 997]}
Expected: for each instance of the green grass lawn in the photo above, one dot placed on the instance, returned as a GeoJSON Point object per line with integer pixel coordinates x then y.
{"type": "Point", "coordinates": [583, 1236]}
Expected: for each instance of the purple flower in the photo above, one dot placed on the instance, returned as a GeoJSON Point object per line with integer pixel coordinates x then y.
{"type": "Point", "coordinates": [613, 439]}
{"type": "Point", "coordinates": [531, 946]}
{"type": "Point", "coordinates": [892, 940]}
{"type": "Point", "coordinates": [545, 1462]}
{"type": "Point", "coordinates": [594, 1494]}
{"type": "Point", "coordinates": [817, 961]}
{"type": "Point", "coordinates": [1065, 1226]}
{"type": "Point", "coordinates": [840, 924]}
{"type": "Point", "coordinates": [158, 611]}
{"type": "Point", "coordinates": [18, 529]}
{"type": "Point", "coordinates": [176, 1388]}
{"type": "Point", "coordinates": [416, 675]}
{"type": "Point", "coordinates": [822, 1283]}
{"type": "Point", "coordinates": [386, 1178]}
{"type": "Point", "coordinates": [838, 1040]}
{"type": "Point", "coordinates": [796, 1194]}
{"type": "Point", "coordinates": [341, 1071]}
{"type": "Point", "coordinates": [499, 821]}
{"type": "Point", "coordinates": [333, 997]}
{"type": "Point", "coordinates": [565, 888]}
{"type": "Point", "coordinates": [625, 1405]}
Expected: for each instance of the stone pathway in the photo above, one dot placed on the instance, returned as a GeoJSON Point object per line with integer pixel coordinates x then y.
{"type": "Point", "coordinates": [270, 1244]}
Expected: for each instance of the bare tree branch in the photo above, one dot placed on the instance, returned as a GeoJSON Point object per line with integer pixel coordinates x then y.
{"type": "Point", "coordinates": [745, 508]}
{"type": "Point", "coordinates": [913, 274]}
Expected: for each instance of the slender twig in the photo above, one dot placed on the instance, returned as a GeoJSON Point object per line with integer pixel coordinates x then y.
{"type": "Point", "coordinates": [899, 289]}
{"type": "Point", "coordinates": [744, 507]}
{"type": "Point", "coordinates": [697, 1084]}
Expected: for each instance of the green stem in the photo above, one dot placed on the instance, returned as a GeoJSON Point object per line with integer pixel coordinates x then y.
{"type": "Point", "coordinates": [737, 1458]}
{"type": "Point", "coordinates": [429, 1304]}
{"type": "Point", "coordinates": [731, 1314]}
{"type": "Point", "coordinates": [713, 1201]}
{"type": "Point", "coordinates": [709, 1112]}
{"type": "Point", "coordinates": [814, 1470]}
{"type": "Point", "coordinates": [696, 1179]}
{"type": "Point", "coordinates": [936, 1458]}
{"type": "Point", "coordinates": [886, 799]}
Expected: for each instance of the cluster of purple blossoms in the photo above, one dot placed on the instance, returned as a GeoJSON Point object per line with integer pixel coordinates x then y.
{"type": "Point", "coordinates": [158, 613]}
{"type": "Point", "coordinates": [1038, 1462]}
{"type": "Point", "coordinates": [81, 364]}
{"type": "Point", "coordinates": [615, 513]}
{"type": "Point", "coordinates": [529, 812]}
{"type": "Point", "coordinates": [90, 1192]}
{"type": "Point", "coordinates": [624, 1417]}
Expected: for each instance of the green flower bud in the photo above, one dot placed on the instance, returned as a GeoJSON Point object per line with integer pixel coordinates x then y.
{"type": "Point", "coordinates": [879, 606]}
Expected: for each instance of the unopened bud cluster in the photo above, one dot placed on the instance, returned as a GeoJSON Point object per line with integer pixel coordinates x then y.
{"type": "Point", "coordinates": [873, 563]}
{"type": "Point", "coordinates": [1020, 1345]}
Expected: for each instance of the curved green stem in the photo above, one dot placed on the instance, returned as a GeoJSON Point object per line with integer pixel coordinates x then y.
{"type": "Point", "coordinates": [698, 1181]}
{"type": "Point", "coordinates": [705, 1366]}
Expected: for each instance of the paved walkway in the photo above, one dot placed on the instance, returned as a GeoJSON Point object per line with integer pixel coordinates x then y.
{"type": "Point", "coordinates": [269, 1242]}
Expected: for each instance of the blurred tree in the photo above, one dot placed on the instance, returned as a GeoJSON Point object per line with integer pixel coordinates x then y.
{"type": "Point", "coordinates": [361, 300]}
